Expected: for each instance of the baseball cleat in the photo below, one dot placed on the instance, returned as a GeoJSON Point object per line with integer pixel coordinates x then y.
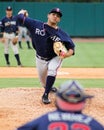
{"type": "Point", "coordinates": [54, 89]}
{"type": "Point", "coordinates": [20, 47]}
{"type": "Point", "coordinates": [29, 47]}
{"type": "Point", "coordinates": [45, 99]}
{"type": "Point", "coordinates": [8, 64]}
{"type": "Point", "coordinates": [20, 65]}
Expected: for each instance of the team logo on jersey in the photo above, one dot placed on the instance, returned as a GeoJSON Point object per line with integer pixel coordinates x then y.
{"type": "Point", "coordinates": [40, 32]}
{"type": "Point", "coordinates": [10, 23]}
{"type": "Point", "coordinates": [55, 38]}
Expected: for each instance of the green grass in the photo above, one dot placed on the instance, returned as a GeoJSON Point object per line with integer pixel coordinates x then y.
{"type": "Point", "coordinates": [27, 56]}
{"type": "Point", "coordinates": [86, 55]}
{"type": "Point", "coordinates": [18, 82]}
{"type": "Point", "coordinates": [34, 82]}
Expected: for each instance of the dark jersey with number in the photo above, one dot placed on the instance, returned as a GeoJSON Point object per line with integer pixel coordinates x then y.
{"type": "Point", "coordinates": [58, 120]}
{"type": "Point", "coordinates": [43, 36]}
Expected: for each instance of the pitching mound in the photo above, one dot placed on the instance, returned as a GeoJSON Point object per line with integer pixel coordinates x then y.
{"type": "Point", "coordinates": [19, 105]}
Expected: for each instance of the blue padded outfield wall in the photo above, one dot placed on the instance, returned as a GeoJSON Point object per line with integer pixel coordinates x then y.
{"type": "Point", "coordinates": [79, 19]}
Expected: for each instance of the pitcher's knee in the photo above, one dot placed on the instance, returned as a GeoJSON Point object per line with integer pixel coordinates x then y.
{"type": "Point", "coordinates": [52, 72]}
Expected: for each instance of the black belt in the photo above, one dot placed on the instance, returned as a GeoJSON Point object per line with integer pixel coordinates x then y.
{"type": "Point", "coordinates": [42, 58]}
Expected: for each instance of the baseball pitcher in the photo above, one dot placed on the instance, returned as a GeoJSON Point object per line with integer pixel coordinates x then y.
{"type": "Point", "coordinates": [43, 37]}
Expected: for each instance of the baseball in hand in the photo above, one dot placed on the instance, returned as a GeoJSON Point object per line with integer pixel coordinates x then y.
{"type": "Point", "coordinates": [24, 12]}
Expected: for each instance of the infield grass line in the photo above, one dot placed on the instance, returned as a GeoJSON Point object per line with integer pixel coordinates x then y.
{"type": "Point", "coordinates": [34, 82]}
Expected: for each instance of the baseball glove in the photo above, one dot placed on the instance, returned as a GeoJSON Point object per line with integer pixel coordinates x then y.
{"type": "Point", "coordinates": [3, 40]}
{"type": "Point", "coordinates": [60, 49]}
{"type": "Point", "coordinates": [15, 40]}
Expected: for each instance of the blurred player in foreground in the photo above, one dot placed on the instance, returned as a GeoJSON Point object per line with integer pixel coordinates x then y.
{"type": "Point", "coordinates": [70, 102]}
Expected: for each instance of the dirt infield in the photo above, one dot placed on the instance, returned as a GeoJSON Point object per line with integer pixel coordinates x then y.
{"type": "Point", "coordinates": [19, 105]}
{"type": "Point", "coordinates": [16, 72]}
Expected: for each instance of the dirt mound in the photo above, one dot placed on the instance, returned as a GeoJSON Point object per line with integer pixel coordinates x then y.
{"type": "Point", "coordinates": [19, 105]}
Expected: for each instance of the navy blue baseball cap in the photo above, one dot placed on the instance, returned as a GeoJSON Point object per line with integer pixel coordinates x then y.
{"type": "Point", "coordinates": [9, 8]}
{"type": "Point", "coordinates": [71, 97]}
{"type": "Point", "coordinates": [56, 10]}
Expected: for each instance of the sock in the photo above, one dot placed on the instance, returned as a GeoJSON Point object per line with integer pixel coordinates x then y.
{"type": "Point", "coordinates": [7, 58]}
{"type": "Point", "coordinates": [20, 44]}
{"type": "Point", "coordinates": [18, 59]}
{"type": "Point", "coordinates": [28, 44]}
{"type": "Point", "coordinates": [49, 83]}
